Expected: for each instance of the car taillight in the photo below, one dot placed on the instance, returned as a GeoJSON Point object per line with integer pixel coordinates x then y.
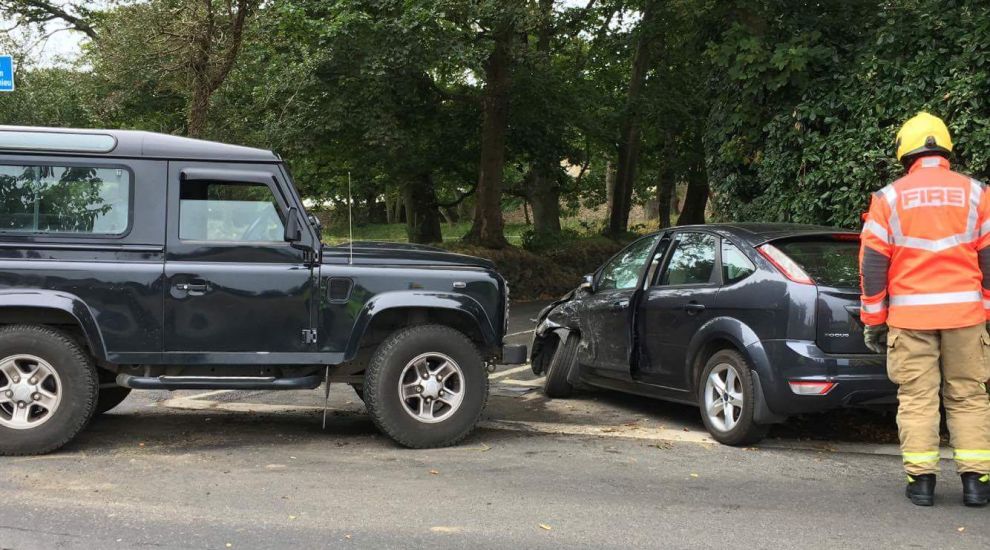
{"type": "Point", "coordinates": [787, 266]}
{"type": "Point", "coordinates": [811, 387]}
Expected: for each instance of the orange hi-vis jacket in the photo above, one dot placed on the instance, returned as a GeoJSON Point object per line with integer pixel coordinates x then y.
{"type": "Point", "coordinates": [925, 250]}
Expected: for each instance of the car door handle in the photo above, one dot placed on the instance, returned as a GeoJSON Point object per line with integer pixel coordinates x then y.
{"type": "Point", "coordinates": [193, 288]}
{"type": "Point", "coordinates": [694, 308]}
{"type": "Point", "coordinates": [620, 304]}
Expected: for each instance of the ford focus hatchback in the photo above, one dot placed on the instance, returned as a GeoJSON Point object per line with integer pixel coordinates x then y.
{"type": "Point", "coordinates": [751, 322]}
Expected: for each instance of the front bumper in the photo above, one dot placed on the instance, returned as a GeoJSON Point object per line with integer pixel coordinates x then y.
{"type": "Point", "coordinates": [859, 380]}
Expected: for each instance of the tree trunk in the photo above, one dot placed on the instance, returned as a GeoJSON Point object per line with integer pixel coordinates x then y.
{"type": "Point", "coordinates": [629, 139]}
{"type": "Point", "coordinates": [696, 198]}
{"type": "Point", "coordinates": [651, 209]}
{"type": "Point", "coordinates": [542, 190]}
{"type": "Point", "coordinates": [665, 194]}
{"type": "Point", "coordinates": [389, 209]}
{"type": "Point", "coordinates": [199, 109]}
{"type": "Point", "coordinates": [609, 184]}
{"type": "Point", "coordinates": [488, 227]}
{"type": "Point", "coordinates": [422, 216]}
{"type": "Point", "coordinates": [544, 196]}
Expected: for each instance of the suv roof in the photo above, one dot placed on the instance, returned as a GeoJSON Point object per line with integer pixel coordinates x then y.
{"type": "Point", "coordinates": [125, 143]}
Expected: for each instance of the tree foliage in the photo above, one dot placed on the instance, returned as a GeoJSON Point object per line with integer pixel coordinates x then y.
{"type": "Point", "coordinates": [450, 110]}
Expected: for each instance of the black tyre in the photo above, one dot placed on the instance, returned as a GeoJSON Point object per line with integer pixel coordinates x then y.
{"type": "Point", "coordinates": [111, 394]}
{"type": "Point", "coordinates": [48, 389]}
{"type": "Point", "coordinates": [407, 400]}
{"type": "Point", "coordinates": [564, 357]}
{"type": "Point", "coordinates": [728, 401]}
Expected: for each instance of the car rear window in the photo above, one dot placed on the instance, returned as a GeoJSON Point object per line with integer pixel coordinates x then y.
{"type": "Point", "coordinates": [829, 261]}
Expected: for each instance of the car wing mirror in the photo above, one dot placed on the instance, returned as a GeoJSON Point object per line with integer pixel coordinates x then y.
{"type": "Point", "coordinates": [315, 222]}
{"type": "Point", "coordinates": [293, 233]}
{"type": "Point", "coordinates": [588, 283]}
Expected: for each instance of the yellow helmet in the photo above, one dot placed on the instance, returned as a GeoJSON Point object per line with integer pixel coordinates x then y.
{"type": "Point", "coordinates": [923, 134]}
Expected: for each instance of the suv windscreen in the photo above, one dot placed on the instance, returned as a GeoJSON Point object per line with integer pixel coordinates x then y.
{"type": "Point", "coordinates": [829, 261]}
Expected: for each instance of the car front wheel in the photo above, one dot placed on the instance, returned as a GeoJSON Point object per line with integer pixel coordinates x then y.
{"type": "Point", "coordinates": [426, 386]}
{"type": "Point", "coordinates": [727, 400]}
{"type": "Point", "coordinates": [564, 357]}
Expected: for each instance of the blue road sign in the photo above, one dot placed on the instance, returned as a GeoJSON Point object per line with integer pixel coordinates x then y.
{"type": "Point", "coordinates": [6, 73]}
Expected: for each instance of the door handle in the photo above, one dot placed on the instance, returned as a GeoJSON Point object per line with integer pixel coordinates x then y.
{"type": "Point", "coordinates": [193, 288]}
{"type": "Point", "coordinates": [694, 308]}
{"type": "Point", "coordinates": [620, 304]}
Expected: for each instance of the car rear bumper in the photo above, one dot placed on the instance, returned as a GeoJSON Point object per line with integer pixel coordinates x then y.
{"type": "Point", "coordinates": [857, 380]}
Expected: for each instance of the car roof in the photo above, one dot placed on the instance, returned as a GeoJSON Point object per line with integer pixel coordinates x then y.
{"type": "Point", "coordinates": [133, 144]}
{"type": "Point", "coordinates": [759, 233]}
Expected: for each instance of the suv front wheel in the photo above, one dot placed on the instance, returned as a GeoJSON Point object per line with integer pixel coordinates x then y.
{"type": "Point", "coordinates": [426, 386]}
{"type": "Point", "coordinates": [728, 400]}
{"type": "Point", "coordinates": [48, 389]}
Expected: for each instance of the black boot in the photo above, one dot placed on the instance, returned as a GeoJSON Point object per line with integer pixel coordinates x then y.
{"type": "Point", "coordinates": [921, 489]}
{"type": "Point", "coordinates": [976, 489]}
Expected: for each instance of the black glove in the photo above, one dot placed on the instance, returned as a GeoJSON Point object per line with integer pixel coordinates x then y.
{"type": "Point", "coordinates": [875, 338]}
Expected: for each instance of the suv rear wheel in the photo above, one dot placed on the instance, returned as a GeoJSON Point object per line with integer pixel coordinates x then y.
{"type": "Point", "coordinates": [426, 386]}
{"type": "Point", "coordinates": [727, 400]}
{"type": "Point", "coordinates": [48, 389]}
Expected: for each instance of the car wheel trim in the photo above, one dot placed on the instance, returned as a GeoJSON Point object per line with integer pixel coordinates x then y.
{"type": "Point", "coordinates": [30, 392]}
{"type": "Point", "coordinates": [431, 387]}
{"type": "Point", "coordinates": [723, 397]}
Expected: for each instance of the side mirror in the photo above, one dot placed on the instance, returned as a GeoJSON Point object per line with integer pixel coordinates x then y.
{"type": "Point", "coordinates": [293, 233]}
{"type": "Point", "coordinates": [315, 222]}
{"type": "Point", "coordinates": [588, 283]}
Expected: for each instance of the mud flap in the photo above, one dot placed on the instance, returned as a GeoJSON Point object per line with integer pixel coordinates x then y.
{"type": "Point", "coordinates": [761, 411]}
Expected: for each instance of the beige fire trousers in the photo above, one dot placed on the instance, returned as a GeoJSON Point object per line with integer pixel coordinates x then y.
{"type": "Point", "coordinates": [958, 360]}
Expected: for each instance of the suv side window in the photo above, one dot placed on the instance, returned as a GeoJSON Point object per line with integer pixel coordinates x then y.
{"type": "Point", "coordinates": [623, 271]}
{"type": "Point", "coordinates": [228, 211]}
{"type": "Point", "coordinates": [735, 265]}
{"type": "Point", "coordinates": [83, 200]}
{"type": "Point", "coordinates": [693, 261]}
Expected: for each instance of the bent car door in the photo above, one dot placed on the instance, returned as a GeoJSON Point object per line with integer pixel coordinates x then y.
{"type": "Point", "coordinates": [234, 287]}
{"type": "Point", "coordinates": [675, 306]}
{"type": "Point", "coordinates": [607, 313]}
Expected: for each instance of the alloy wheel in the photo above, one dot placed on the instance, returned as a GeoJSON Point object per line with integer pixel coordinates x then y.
{"type": "Point", "coordinates": [431, 387]}
{"type": "Point", "coordinates": [30, 392]}
{"type": "Point", "coordinates": [723, 397]}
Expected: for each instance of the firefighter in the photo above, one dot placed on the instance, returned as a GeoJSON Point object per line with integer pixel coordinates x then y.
{"type": "Point", "coordinates": [925, 249]}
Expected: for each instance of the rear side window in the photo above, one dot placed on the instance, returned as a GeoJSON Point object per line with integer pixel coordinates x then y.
{"type": "Point", "coordinates": [228, 211]}
{"type": "Point", "coordinates": [735, 265]}
{"type": "Point", "coordinates": [829, 261]}
{"type": "Point", "coordinates": [693, 261]}
{"type": "Point", "coordinates": [84, 200]}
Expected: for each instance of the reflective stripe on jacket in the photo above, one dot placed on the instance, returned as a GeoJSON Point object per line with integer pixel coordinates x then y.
{"type": "Point", "coordinates": [924, 242]}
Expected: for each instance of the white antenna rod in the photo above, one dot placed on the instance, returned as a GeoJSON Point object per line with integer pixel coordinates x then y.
{"type": "Point", "coordinates": [350, 219]}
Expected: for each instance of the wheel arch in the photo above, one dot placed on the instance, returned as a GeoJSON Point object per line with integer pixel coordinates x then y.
{"type": "Point", "coordinates": [389, 311]}
{"type": "Point", "coordinates": [57, 309]}
{"type": "Point", "coordinates": [725, 333]}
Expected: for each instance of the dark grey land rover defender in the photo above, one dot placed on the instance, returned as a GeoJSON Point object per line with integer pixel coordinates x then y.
{"type": "Point", "coordinates": [133, 260]}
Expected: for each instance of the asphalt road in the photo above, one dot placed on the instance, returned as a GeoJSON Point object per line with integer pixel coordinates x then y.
{"type": "Point", "coordinates": [255, 470]}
